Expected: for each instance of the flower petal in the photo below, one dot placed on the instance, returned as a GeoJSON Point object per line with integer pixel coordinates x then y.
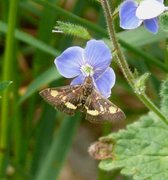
{"type": "Point", "coordinates": [70, 61]}
{"type": "Point", "coordinates": [98, 55]}
{"type": "Point", "coordinates": [78, 80]}
{"type": "Point", "coordinates": [149, 9]}
{"type": "Point", "coordinates": [128, 19]}
{"type": "Point", "coordinates": [152, 25]}
{"type": "Point", "coordinates": [105, 82]}
{"type": "Point", "coordinates": [161, 1]}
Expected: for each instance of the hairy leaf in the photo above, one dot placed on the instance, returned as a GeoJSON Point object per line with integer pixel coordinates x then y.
{"type": "Point", "coordinates": [72, 29]}
{"type": "Point", "coordinates": [141, 150]}
{"type": "Point", "coordinates": [164, 96]}
{"type": "Point", "coordinates": [140, 83]}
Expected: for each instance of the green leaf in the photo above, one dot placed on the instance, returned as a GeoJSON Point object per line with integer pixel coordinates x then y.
{"type": "Point", "coordinates": [141, 150]}
{"type": "Point", "coordinates": [4, 85]}
{"type": "Point", "coordinates": [163, 21]}
{"type": "Point", "coordinates": [164, 97]}
{"type": "Point", "coordinates": [74, 18]}
{"type": "Point", "coordinates": [45, 78]}
{"type": "Point", "coordinates": [44, 136]}
{"type": "Point", "coordinates": [137, 37]}
{"type": "Point", "coordinates": [53, 161]}
{"type": "Point", "coordinates": [72, 29]}
{"type": "Point", "coordinates": [140, 36]}
{"type": "Point", "coordinates": [27, 38]}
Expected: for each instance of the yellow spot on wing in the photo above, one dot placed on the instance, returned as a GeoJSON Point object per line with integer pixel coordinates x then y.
{"type": "Point", "coordinates": [54, 93]}
{"type": "Point", "coordinates": [97, 98]}
{"type": "Point", "coordinates": [86, 107]}
{"type": "Point", "coordinates": [64, 98]}
{"type": "Point", "coordinates": [92, 112]}
{"type": "Point", "coordinates": [112, 109]}
{"type": "Point", "coordinates": [101, 108]}
{"type": "Point", "coordinates": [70, 105]}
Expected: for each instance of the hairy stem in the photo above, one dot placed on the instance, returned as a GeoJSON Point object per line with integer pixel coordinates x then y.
{"type": "Point", "coordinates": [123, 63]}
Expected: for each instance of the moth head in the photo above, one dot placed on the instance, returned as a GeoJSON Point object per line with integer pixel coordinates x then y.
{"type": "Point", "coordinates": [88, 80]}
{"type": "Point", "coordinates": [88, 83]}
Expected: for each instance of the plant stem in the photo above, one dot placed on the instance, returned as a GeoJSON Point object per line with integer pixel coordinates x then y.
{"type": "Point", "coordinates": [123, 63]}
{"type": "Point", "coordinates": [120, 57]}
{"type": "Point", "coordinates": [7, 67]}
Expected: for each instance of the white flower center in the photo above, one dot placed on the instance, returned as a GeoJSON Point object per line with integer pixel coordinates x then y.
{"type": "Point", "coordinates": [87, 70]}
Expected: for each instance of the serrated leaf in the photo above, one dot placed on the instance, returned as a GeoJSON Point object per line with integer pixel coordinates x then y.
{"type": "Point", "coordinates": [141, 150]}
{"type": "Point", "coordinates": [72, 29]}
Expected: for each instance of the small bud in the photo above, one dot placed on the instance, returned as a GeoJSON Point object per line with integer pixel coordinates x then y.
{"type": "Point", "coordinates": [136, 73]}
{"type": "Point", "coordinates": [139, 86]}
{"type": "Point", "coordinates": [101, 150]}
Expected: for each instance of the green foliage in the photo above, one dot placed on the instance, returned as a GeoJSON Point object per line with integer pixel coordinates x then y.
{"type": "Point", "coordinates": [72, 29]}
{"type": "Point", "coordinates": [44, 78]}
{"type": "Point", "coordinates": [54, 159]}
{"type": "Point", "coordinates": [4, 85]}
{"type": "Point", "coordinates": [139, 37]}
{"type": "Point", "coordinates": [164, 97]}
{"type": "Point", "coordinates": [140, 83]}
{"type": "Point", "coordinates": [30, 40]}
{"type": "Point", "coordinates": [38, 136]}
{"type": "Point", "coordinates": [141, 149]}
{"type": "Point", "coordinates": [115, 13]}
{"type": "Point", "coordinates": [163, 21]}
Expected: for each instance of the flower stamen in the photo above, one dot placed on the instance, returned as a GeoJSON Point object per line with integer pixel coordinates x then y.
{"type": "Point", "coordinates": [87, 70]}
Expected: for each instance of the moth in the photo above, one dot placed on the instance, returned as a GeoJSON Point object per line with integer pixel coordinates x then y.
{"type": "Point", "coordinates": [85, 98]}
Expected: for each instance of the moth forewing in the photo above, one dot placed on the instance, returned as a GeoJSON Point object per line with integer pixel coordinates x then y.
{"type": "Point", "coordinates": [100, 109]}
{"type": "Point", "coordinates": [85, 98]}
{"type": "Point", "coordinates": [64, 98]}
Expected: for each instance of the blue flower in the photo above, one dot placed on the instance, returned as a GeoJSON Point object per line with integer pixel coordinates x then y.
{"type": "Point", "coordinates": [133, 14]}
{"type": "Point", "coordinates": [78, 63]}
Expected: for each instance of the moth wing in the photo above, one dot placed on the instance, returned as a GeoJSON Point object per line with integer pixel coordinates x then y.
{"type": "Point", "coordinates": [64, 98]}
{"type": "Point", "coordinates": [100, 109]}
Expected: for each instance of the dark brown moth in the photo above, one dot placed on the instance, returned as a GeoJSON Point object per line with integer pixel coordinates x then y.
{"type": "Point", "coordinates": [84, 98]}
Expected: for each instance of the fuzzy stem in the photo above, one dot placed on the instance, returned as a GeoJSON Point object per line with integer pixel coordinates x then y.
{"type": "Point", "coordinates": [111, 31]}
{"type": "Point", "coordinates": [123, 63]}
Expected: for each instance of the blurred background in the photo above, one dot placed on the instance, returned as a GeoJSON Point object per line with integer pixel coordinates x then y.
{"type": "Point", "coordinates": [43, 143]}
